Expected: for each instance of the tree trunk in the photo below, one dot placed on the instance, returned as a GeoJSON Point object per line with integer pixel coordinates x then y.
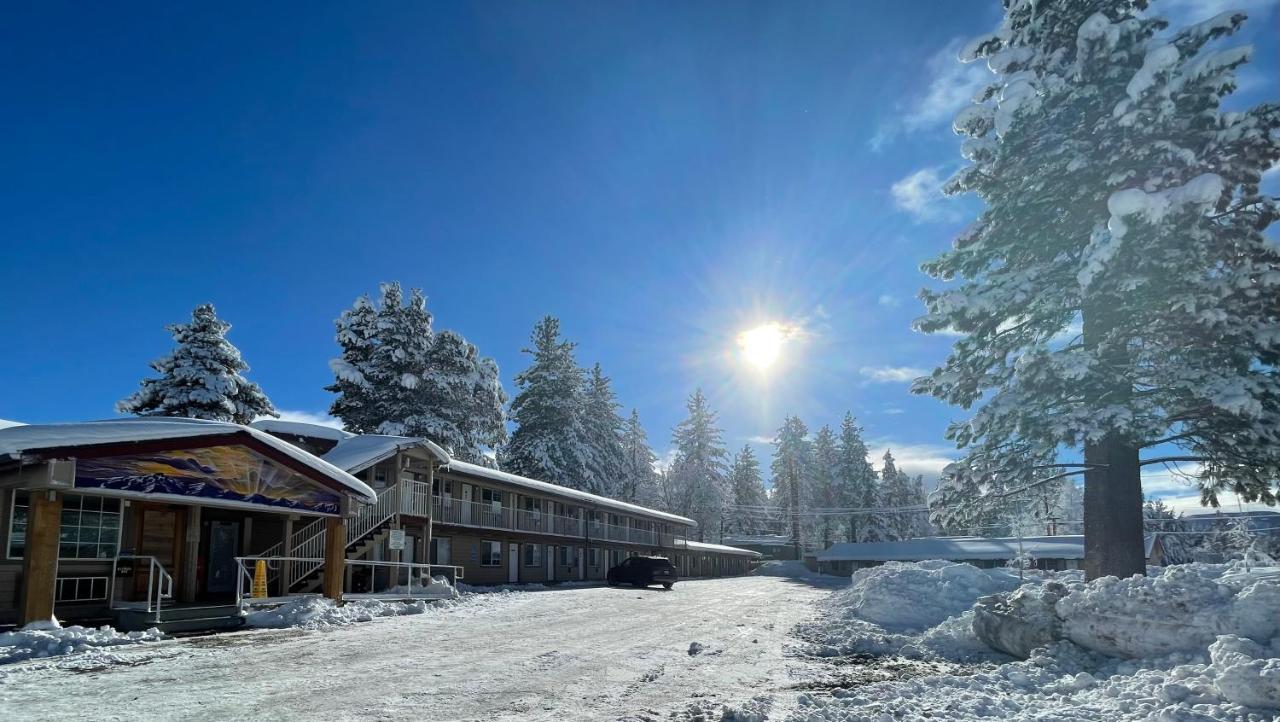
{"type": "Point", "coordinates": [1113, 532]}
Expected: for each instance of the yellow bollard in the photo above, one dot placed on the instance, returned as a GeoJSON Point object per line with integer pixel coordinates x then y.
{"type": "Point", "coordinates": [260, 579]}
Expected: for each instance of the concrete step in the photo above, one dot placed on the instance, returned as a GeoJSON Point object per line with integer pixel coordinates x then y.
{"type": "Point", "coordinates": [175, 620]}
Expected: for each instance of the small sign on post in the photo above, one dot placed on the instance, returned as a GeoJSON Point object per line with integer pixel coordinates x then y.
{"type": "Point", "coordinates": [395, 542]}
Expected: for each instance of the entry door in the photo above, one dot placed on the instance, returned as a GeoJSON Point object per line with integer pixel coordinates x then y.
{"type": "Point", "coordinates": [466, 503]}
{"type": "Point", "coordinates": [513, 563]}
{"type": "Point", "coordinates": [160, 536]}
{"type": "Point", "coordinates": [224, 538]}
{"type": "Point", "coordinates": [582, 564]}
{"type": "Point", "coordinates": [551, 563]}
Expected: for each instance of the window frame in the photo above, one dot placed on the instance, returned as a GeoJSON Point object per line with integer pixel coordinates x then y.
{"type": "Point", "coordinates": [534, 559]}
{"type": "Point", "coordinates": [118, 513]}
{"type": "Point", "coordinates": [491, 546]}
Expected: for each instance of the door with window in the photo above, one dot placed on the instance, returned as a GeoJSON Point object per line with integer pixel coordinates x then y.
{"type": "Point", "coordinates": [513, 563]}
{"type": "Point", "coordinates": [221, 568]}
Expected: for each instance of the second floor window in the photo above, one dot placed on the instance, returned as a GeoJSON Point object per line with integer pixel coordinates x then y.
{"type": "Point", "coordinates": [492, 498]}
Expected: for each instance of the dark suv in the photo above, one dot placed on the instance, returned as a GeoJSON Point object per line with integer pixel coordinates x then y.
{"type": "Point", "coordinates": [643, 571]}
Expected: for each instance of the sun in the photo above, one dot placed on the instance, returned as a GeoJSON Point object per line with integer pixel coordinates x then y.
{"type": "Point", "coordinates": [762, 346]}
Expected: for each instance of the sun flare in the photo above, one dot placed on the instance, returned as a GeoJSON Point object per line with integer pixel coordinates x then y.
{"type": "Point", "coordinates": [761, 346]}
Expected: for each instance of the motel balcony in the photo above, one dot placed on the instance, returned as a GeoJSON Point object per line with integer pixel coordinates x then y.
{"type": "Point", "coordinates": [488, 515]}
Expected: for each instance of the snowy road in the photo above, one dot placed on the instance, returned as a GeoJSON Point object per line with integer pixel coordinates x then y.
{"type": "Point", "coordinates": [587, 653]}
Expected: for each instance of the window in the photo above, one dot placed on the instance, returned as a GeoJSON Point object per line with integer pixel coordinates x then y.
{"type": "Point", "coordinates": [441, 550]}
{"type": "Point", "coordinates": [490, 554]}
{"type": "Point", "coordinates": [492, 498]}
{"type": "Point", "coordinates": [532, 555]}
{"type": "Point", "coordinates": [80, 589]}
{"type": "Point", "coordinates": [568, 556]}
{"type": "Point", "coordinates": [593, 557]}
{"type": "Point", "coordinates": [90, 527]}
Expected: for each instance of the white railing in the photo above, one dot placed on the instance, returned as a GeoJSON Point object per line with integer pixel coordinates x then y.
{"type": "Point", "coordinates": [448, 510]}
{"type": "Point", "coordinates": [308, 554]}
{"type": "Point", "coordinates": [245, 576]}
{"type": "Point", "coordinates": [159, 582]}
{"type": "Point", "coordinates": [399, 580]}
{"type": "Point", "coordinates": [415, 498]}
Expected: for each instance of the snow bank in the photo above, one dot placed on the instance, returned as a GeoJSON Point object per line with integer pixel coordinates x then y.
{"type": "Point", "coordinates": [1020, 622]}
{"type": "Point", "coordinates": [320, 612]}
{"type": "Point", "coordinates": [1245, 672]}
{"type": "Point", "coordinates": [1181, 608]}
{"type": "Point", "coordinates": [50, 639]}
{"type": "Point", "coordinates": [919, 595]}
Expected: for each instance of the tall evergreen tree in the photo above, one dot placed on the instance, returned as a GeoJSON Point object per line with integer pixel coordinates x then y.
{"type": "Point", "coordinates": [792, 464]}
{"type": "Point", "coordinates": [749, 497]}
{"type": "Point", "coordinates": [1121, 197]}
{"type": "Point", "coordinates": [397, 376]}
{"type": "Point", "coordinates": [823, 477]}
{"type": "Point", "coordinates": [607, 460]}
{"type": "Point", "coordinates": [856, 483]}
{"type": "Point", "coordinates": [697, 485]}
{"type": "Point", "coordinates": [357, 336]}
{"type": "Point", "coordinates": [550, 441]}
{"type": "Point", "coordinates": [639, 477]}
{"type": "Point", "coordinates": [201, 378]}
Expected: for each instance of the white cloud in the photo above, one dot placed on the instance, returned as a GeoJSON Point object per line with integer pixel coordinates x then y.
{"type": "Point", "coordinates": [893, 410]}
{"type": "Point", "coordinates": [306, 417]}
{"type": "Point", "coordinates": [760, 439]}
{"type": "Point", "coordinates": [888, 300]}
{"type": "Point", "coordinates": [952, 85]}
{"type": "Point", "coordinates": [926, 459]}
{"type": "Point", "coordinates": [892, 374]}
{"type": "Point", "coordinates": [920, 195]}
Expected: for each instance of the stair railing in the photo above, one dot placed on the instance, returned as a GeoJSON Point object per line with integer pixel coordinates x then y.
{"type": "Point", "coordinates": [368, 518]}
{"type": "Point", "coordinates": [159, 582]}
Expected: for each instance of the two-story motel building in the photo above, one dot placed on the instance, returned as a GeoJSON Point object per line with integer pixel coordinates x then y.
{"type": "Point", "coordinates": [115, 520]}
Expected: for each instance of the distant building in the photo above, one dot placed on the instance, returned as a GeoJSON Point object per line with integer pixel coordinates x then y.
{"type": "Point", "coordinates": [770, 546]}
{"type": "Point", "coordinates": [1046, 552]}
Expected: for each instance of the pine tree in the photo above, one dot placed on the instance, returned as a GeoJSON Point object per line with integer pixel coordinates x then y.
{"type": "Point", "coordinates": [895, 493]}
{"type": "Point", "coordinates": [458, 401]}
{"type": "Point", "coordinates": [357, 336]}
{"type": "Point", "coordinates": [749, 497]}
{"type": "Point", "coordinates": [639, 478]}
{"type": "Point", "coordinates": [856, 482]}
{"type": "Point", "coordinates": [822, 475]}
{"type": "Point", "coordinates": [1121, 198]}
{"type": "Point", "coordinates": [607, 460]}
{"type": "Point", "coordinates": [201, 378]}
{"type": "Point", "coordinates": [397, 376]}
{"type": "Point", "coordinates": [550, 440]}
{"type": "Point", "coordinates": [697, 483]}
{"type": "Point", "coordinates": [792, 464]}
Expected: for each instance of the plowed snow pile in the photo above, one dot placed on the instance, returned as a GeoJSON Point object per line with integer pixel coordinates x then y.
{"type": "Point", "coordinates": [51, 639]}
{"type": "Point", "coordinates": [1191, 642]}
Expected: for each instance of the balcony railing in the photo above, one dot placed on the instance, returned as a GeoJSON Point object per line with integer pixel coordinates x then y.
{"type": "Point", "coordinates": [448, 510]}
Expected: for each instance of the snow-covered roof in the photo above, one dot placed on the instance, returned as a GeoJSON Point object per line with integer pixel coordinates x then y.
{"type": "Point", "coordinates": [5, 423]}
{"type": "Point", "coordinates": [463, 467]}
{"type": "Point", "coordinates": [956, 549]}
{"type": "Point", "coordinates": [301, 428]}
{"type": "Point", "coordinates": [761, 539]}
{"type": "Point", "coordinates": [17, 442]}
{"type": "Point", "coordinates": [694, 546]}
{"type": "Point", "coordinates": [358, 453]}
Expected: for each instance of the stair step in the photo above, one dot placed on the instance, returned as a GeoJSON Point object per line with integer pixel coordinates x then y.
{"type": "Point", "coordinates": [180, 619]}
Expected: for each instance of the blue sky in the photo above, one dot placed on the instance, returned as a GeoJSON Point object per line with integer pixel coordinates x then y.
{"type": "Point", "coordinates": [658, 175]}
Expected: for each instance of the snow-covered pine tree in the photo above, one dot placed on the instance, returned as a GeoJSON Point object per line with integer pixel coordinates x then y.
{"type": "Point", "coordinates": [550, 441]}
{"type": "Point", "coordinates": [639, 477]}
{"type": "Point", "coordinates": [607, 459]}
{"type": "Point", "coordinates": [856, 482]}
{"type": "Point", "coordinates": [1121, 198]}
{"type": "Point", "coordinates": [749, 497]}
{"type": "Point", "coordinates": [1176, 540]}
{"type": "Point", "coordinates": [897, 494]}
{"type": "Point", "coordinates": [697, 482]}
{"type": "Point", "coordinates": [791, 467]}
{"type": "Point", "coordinates": [823, 486]}
{"type": "Point", "coordinates": [401, 359]}
{"type": "Point", "coordinates": [458, 401]}
{"type": "Point", "coordinates": [920, 526]}
{"type": "Point", "coordinates": [201, 378]}
{"type": "Point", "coordinates": [357, 333]}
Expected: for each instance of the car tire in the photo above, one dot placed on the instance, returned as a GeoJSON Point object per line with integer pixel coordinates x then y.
{"type": "Point", "coordinates": [668, 585]}
{"type": "Point", "coordinates": [612, 582]}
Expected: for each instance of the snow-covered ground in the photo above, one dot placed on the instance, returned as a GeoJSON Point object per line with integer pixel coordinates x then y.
{"type": "Point", "coordinates": [1190, 643]}
{"type": "Point", "coordinates": [572, 654]}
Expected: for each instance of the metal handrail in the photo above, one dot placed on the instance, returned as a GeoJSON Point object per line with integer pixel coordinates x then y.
{"type": "Point", "coordinates": [455, 573]}
{"type": "Point", "coordinates": [272, 563]}
{"type": "Point", "coordinates": [366, 520]}
{"type": "Point", "coordinates": [159, 582]}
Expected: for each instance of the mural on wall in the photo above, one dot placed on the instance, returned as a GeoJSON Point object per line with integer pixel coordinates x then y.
{"type": "Point", "coordinates": [234, 473]}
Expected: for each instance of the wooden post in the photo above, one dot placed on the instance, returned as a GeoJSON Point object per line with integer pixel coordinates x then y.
{"type": "Point", "coordinates": [335, 556]}
{"type": "Point", "coordinates": [190, 555]}
{"type": "Point", "coordinates": [40, 556]}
